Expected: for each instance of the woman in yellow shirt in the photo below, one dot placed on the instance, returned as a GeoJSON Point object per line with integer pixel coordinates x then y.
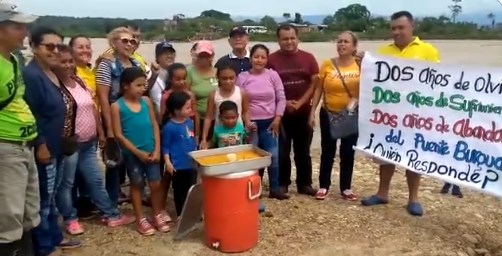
{"type": "Point", "coordinates": [335, 99]}
{"type": "Point", "coordinates": [82, 51]}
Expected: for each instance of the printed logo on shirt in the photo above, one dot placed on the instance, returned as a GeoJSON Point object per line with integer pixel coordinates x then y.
{"type": "Point", "coordinates": [294, 76]}
{"type": "Point", "coordinates": [346, 75]}
{"type": "Point", "coordinates": [229, 139]}
{"type": "Point", "coordinates": [213, 81]}
{"type": "Point", "coordinates": [190, 133]}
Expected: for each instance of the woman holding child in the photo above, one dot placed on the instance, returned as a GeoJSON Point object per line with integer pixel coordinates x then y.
{"type": "Point", "coordinates": [338, 86]}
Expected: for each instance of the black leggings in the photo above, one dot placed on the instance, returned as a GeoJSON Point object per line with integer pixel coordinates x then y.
{"type": "Point", "coordinates": [328, 152]}
{"type": "Point", "coordinates": [183, 180]}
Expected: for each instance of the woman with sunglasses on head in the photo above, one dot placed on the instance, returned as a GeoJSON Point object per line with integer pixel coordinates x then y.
{"type": "Point", "coordinates": [110, 52]}
{"type": "Point", "coordinates": [54, 110]}
{"type": "Point", "coordinates": [108, 74]}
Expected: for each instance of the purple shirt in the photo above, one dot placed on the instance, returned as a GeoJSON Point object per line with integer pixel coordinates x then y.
{"type": "Point", "coordinates": [265, 92]}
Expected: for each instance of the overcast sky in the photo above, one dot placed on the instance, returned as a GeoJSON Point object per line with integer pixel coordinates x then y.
{"type": "Point", "coordinates": [166, 8]}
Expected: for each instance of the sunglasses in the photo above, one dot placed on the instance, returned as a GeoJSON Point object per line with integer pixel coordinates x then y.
{"type": "Point", "coordinates": [131, 41]}
{"type": "Point", "coordinates": [52, 47]}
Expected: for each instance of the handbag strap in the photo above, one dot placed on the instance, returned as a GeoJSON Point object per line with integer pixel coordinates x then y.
{"type": "Point", "coordinates": [341, 77]}
{"type": "Point", "coordinates": [324, 91]}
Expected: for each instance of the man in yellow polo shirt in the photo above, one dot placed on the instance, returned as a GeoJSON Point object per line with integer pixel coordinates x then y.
{"type": "Point", "coordinates": [405, 45]}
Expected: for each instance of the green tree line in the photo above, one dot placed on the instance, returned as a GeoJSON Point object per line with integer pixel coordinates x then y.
{"type": "Point", "coordinates": [213, 24]}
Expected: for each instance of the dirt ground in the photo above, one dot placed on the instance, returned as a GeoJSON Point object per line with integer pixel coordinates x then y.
{"type": "Point", "coordinates": [303, 226]}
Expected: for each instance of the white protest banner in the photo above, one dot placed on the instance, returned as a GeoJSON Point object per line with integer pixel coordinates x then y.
{"type": "Point", "coordinates": [439, 120]}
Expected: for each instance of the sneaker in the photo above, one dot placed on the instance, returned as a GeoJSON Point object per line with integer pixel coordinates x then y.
{"type": "Point", "coordinates": [74, 228]}
{"type": "Point", "coordinates": [145, 228]}
{"type": "Point", "coordinates": [166, 217]}
{"type": "Point", "coordinates": [349, 195]}
{"type": "Point", "coordinates": [160, 224]}
{"type": "Point", "coordinates": [122, 221]}
{"type": "Point", "coordinates": [321, 194]}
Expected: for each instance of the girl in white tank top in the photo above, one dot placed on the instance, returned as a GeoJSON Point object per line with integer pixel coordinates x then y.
{"type": "Point", "coordinates": [227, 90]}
{"type": "Point", "coordinates": [236, 97]}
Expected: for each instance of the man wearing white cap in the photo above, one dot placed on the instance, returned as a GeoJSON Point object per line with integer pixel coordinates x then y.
{"type": "Point", "coordinates": [19, 194]}
{"type": "Point", "coordinates": [239, 57]}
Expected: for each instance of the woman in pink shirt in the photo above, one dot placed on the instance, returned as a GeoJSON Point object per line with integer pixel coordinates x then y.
{"type": "Point", "coordinates": [266, 107]}
{"type": "Point", "coordinates": [88, 132]}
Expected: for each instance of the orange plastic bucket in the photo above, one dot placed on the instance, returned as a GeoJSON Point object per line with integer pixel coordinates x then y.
{"type": "Point", "coordinates": [231, 217]}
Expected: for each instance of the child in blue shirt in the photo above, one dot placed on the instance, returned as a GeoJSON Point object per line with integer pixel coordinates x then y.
{"type": "Point", "coordinates": [229, 132]}
{"type": "Point", "coordinates": [178, 139]}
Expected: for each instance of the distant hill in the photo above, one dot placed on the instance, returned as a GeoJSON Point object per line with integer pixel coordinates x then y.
{"type": "Point", "coordinates": [315, 19]}
{"type": "Point", "coordinates": [478, 18]}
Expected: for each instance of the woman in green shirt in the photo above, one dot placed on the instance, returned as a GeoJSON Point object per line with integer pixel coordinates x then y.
{"type": "Point", "coordinates": [202, 78]}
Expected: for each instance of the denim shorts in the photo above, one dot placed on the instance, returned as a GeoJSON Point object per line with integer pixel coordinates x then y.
{"type": "Point", "coordinates": [137, 171]}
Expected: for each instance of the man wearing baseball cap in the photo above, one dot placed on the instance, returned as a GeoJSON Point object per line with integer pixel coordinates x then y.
{"type": "Point", "coordinates": [239, 57]}
{"type": "Point", "coordinates": [19, 193]}
{"type": "Point", "coordinates": [165, 55]}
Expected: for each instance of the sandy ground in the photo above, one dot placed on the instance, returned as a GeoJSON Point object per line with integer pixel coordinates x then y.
{"type": "Point", "coordinates": [302, 226]}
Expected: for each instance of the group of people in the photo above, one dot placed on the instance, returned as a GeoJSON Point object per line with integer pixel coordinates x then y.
{"type": "Point", "coordinates": [60, 111]}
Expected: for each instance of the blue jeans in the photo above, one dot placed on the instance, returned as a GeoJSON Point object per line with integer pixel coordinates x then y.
{"type": "Point", "coordinates": [85, 160]}
{"type": "Point", "coordinates": [48, 235]}
{"type": "Point", "coordinates": [137, 171]}
{"type": "Point", "coordinates": [266, 141]}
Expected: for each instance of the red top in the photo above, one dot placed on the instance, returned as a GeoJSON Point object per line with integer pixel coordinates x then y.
{"type": "Point", "coordinates": [296, 71]}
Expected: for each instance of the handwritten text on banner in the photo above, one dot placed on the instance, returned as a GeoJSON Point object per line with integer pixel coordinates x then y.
{"type": "Point", "coordinates": [438, 120]}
